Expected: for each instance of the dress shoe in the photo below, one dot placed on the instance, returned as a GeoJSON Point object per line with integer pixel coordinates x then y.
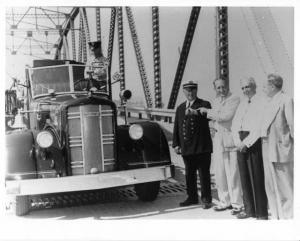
{"type": "Point", "coordinates": [221, 208]}
{"type": "Point", "coordinates": [236, 211]}
{"type": "Point", "coordinates": [207, 205]}
{"type": "Point", "coordinates": [262, 218]}
{"type": "Point", "coordinates": [243, 215]}
{"type": "Point", "coordinates": [188, 202]}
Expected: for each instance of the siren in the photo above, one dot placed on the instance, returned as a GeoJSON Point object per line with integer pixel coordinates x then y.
{"type": "Point", "coordinates": [125, 95]}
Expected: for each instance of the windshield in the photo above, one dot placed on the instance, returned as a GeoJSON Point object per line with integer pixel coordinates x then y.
{"type": "Point", "coordinates": [65, 78]}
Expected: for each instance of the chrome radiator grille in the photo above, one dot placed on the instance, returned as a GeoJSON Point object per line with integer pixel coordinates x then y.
{"type": "Point", "coordinates": [91, 139]}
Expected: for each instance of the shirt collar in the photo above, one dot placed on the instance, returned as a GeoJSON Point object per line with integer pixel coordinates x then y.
{"type": "Point", "coordinates": [275, 97]}
{"type": "Point", "coordinates": [253, 98]}
{"type": "Point", "coordinates": [187, 103]}
{"type": "Point", "coordinates": [221, 99]}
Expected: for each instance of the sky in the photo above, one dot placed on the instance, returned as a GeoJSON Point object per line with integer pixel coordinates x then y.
{"type": "Point", "coordinates": [245, 42]}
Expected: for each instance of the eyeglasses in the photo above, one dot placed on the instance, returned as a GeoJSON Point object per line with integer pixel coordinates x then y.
{"type": "Point", "coordinates": [245, 87]}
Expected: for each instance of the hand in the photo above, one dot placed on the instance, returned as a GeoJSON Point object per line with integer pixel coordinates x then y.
{"type": "Point", "coordinates": [177, 150]}
{"type": "Point", "coordinates": [242, 147]}
{"type": "Point", "coordinates": [212, 132]}
{"type": "Point", "coordinates": [203, 110]}
{"type": "Point", "coordinates": [193, 112]}
{"type": "Point", "coordinates": [93, 89]}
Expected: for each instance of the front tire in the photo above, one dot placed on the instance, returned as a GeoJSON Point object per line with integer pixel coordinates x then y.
{"type": "Point", "coordinates": [21, 205]}
{"type": "Point", "coordinates": [147, 191]}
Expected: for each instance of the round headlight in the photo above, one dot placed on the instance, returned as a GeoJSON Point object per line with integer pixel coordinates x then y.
{"type": "Point", "coordinates": [44, 139]}
{"type": "Point", "coordinates": [136, 132]}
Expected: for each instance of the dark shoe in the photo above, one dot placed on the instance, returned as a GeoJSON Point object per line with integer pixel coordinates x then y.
{"type": "Point", "coordinates": [188, 202]}
{"type": "Point", "coordinates": [262, 218]}
{"type": "Point", "coordinates": [243, 215]}
{"type": "Point", "coordinates": [236, 211]}
{"type": "Point", "coordinates": [207, 205]}
{"type": "Point", "coordinates": [220, 208]}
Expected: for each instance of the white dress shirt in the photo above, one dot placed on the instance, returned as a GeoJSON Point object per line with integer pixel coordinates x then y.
{"type": "Point", "coordinates": [248, 117]}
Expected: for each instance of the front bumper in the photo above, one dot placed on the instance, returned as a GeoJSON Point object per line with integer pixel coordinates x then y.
{"type": "Point", "coordinates": [88, 182]}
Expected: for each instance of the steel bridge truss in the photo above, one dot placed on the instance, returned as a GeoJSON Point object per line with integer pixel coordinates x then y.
{"type": "Point", "coordinates": [222, 44]}
{"type": "Point", "coordinates": [79, 15]}
{"type": "Point", "coordinates": [35, 30]}
{"type": "Point", "coordinates": [184, 55]}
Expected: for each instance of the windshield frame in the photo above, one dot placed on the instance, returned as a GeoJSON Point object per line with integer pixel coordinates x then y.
{"type": "Point", "coordinates": [71, 82]}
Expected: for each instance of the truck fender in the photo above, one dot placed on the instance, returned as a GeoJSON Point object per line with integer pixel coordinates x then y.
{"type": "Point", "coordinates": [20, 155]}
{"type": "Point", "coordinates": [151, 150]}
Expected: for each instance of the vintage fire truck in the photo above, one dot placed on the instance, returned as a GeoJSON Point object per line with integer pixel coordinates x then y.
{"type": "Point", "coordinates": [69, 140]}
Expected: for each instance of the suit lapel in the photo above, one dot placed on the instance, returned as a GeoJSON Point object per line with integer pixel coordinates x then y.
{"type": "Point", "coordinates": [196, 103]}
{"type": "Point", "coordinates": [272, 111]}
{"type": "Point", "coordinates": [182, 109]}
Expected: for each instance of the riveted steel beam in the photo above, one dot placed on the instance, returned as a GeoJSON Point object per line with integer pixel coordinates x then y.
{"type": "Point", "coordinates": [111, 44]}
{"type": "Point", "coordinates": [156, 57]}
{"type": "Point", "coordinates": [65, 29]}
{"type": "Point", "coordinates": [222, 44]}
{"type": "Point", "coordinates": [121, 48]}
{"type": "Point", "coordinates": [139, 57]}
{"type": "Point", "coordinates": [184, 55]}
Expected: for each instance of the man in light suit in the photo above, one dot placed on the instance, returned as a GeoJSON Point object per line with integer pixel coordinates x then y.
{"type": "Point", "coordinates": [246, 126]}
{"type": "Point", "coordinates": [225, 153]}
{"type": "Point", "coordinates": [191, 139]}
{"type": "Point", "coordinates": [278, 147]}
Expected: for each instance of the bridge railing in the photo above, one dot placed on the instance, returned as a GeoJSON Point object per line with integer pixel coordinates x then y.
{"type": "Point", "coordinates": [167, 115]}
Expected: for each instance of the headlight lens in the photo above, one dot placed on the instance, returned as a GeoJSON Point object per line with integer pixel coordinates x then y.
{"type": "Point", "coordinates": [136, 131]}
{"type": "Point", "coordinates": [44, 139]}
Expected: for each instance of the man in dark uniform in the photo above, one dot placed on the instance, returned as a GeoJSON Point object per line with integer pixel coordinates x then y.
{"type": "Point", "coordinates": [191, 139]}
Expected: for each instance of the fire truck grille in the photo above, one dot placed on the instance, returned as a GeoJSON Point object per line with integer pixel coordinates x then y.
{"type": "Point", "coordinates": [91, 139]}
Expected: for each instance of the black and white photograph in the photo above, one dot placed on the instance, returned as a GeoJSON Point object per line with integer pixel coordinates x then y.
{"type": "Point", "coordinates": [149, 121]}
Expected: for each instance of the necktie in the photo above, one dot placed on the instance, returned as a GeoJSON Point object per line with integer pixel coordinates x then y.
{"type": "Point", "coordinates": [187, 111]}
{"type": "Point", "coordinates": [249, 101]}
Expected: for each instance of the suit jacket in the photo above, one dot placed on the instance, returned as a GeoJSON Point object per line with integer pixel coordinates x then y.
{"type": "Point", "coordinates": [191, 132]}
{"type": "Point", "coordinates": [222, 113]}
{"type": "Point", "coordinates": [278, 126]}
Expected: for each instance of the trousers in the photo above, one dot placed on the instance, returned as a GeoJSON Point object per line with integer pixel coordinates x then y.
{"type": "Point", "coordinates": [252, 179]}
{"type": "Point", "coordinates": [279, 183]}
{"type": "Point", "coordinates": [228, 179]}
{"type": "Point", "coordinates": [201, 163]}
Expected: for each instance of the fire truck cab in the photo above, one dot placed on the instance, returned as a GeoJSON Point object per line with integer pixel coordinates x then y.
{"type": "Point", "coordinates": [71, 141]}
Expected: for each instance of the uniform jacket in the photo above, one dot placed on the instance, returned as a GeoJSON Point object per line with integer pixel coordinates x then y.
{"type": "Point", "coordinates": [222, 113]}
{"type": "Point", "coordinates": [278, 126]}
{"type": "Point", "coordinates": [191, 132]}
